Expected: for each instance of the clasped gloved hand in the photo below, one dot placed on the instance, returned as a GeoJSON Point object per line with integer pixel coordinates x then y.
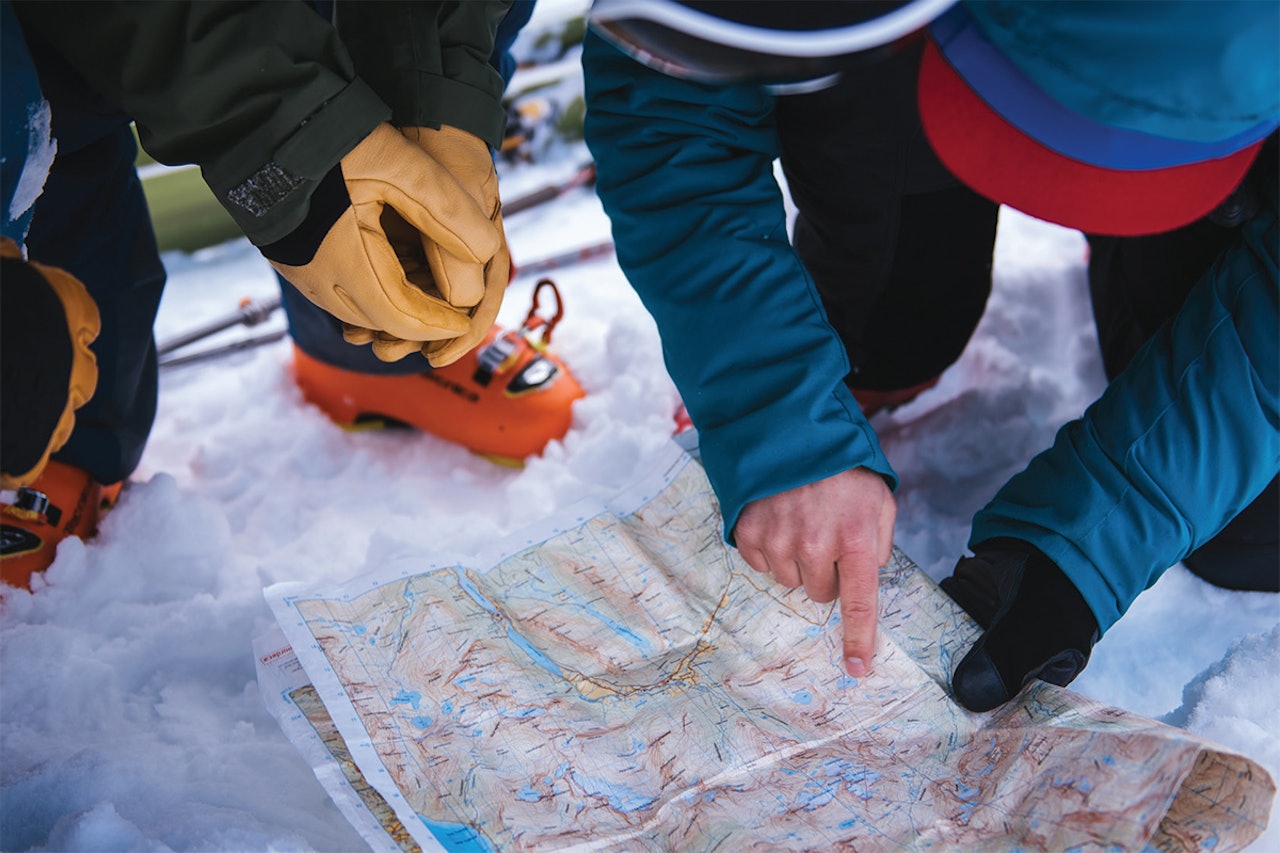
{"type": "Point", "coordinates": [1037, 623]}
{"type": "Point", "coordinates": [403, 245]}
{"type": "Point", "coordinates": [468, 159]}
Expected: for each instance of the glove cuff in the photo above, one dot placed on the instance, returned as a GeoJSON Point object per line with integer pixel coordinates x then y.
{"type": "Point", "coordinates": [328, 202]}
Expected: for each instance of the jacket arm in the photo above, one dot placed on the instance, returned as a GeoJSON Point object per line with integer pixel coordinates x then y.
{"type": "Point", "coordinates": [262, 96]}
{"type": "Point", "coordinates": [430, 61]}
{"type": "Point", "coordinates": [686, 176]}
{"type": "Point", "coordinates": [1178, 445]}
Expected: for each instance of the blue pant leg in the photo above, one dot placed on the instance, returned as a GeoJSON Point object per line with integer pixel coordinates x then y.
{"type": "Point", "coordinates": [92, 220]}
{"type": "Point", "coordinates": [26, 147]}
{"type": "Point", "coordinates": [514, 21]}
{"type": "Point", "coordinates": [319, 334]}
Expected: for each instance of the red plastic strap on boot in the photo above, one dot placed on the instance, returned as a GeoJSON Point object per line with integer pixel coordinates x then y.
{"type": "Point", "coordinates": [874, 401]}
{"type": "Point", "coordinates": [535, 321]}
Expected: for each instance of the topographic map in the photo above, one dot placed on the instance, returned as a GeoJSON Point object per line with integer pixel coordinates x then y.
{"type": "Point", "coordinates": [621, 680]}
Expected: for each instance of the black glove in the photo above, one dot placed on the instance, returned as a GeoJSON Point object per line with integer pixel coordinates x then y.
{"type": "Point", "coordinates": [47, 322]}
{"type": "Point", "coordinates": [1037, 624]}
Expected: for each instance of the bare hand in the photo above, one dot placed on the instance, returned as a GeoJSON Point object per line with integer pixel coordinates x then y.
{"type": "Point", "coordinates": [831, 537]}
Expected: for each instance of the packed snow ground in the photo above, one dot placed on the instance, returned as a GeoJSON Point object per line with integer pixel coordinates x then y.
{"type": "Point", "coordinates": [130, 716]}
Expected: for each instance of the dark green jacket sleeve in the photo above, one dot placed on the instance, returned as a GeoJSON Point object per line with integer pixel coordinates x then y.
{"type": "Point", "coordinates": [686, 176]}
{"type": "Point", "coordinates": [430, 61]}
{"type": "Point", "coordinates": [262, 96]}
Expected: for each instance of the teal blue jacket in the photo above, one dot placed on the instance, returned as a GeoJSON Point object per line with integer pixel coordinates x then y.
{"type": "Point", "coordinates": [1176, 447]}
{"type": "Point", "coordinates": [1179, 443]}
{"type": "Point", "coordinates": [685, 172]}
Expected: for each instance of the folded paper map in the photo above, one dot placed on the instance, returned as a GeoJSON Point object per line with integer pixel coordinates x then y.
{"type": "Point", "coordinates": [621, 680]}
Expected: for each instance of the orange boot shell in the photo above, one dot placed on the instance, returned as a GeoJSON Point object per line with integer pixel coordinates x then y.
{"type": "Point", "coordinates": [504, 400]}
{"type": "Point", "coordinates": [63, 501]}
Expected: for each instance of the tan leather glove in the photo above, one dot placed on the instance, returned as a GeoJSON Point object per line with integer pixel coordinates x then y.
{"type": "Point", "coordinates": [463, 284]}
{"type": "Point", "coordinates": [49, 320]}
{"type": "Point", "coordinates": [388, 199]}
{"type": "Point", "coordinates": [468, 158]}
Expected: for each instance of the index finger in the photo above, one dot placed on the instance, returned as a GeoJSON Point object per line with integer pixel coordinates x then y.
{"type": "Point", "coordinates": [859, 590]}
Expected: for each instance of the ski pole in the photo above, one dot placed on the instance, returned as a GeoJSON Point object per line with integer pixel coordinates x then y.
{"type": "Point", "coordinates": [584, 177]}
{"type": "Point", "coordinates": [248, 314]}
{"type": "Point", "coordinates": [258, 313]}
{"type": "Point", "coordinates": [223, 350]}
{"type": "Point", "coordinates": [566, 259]}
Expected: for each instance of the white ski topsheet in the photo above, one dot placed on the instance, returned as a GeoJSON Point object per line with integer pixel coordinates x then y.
{"type": "Point", "coordinates": [618, 677]}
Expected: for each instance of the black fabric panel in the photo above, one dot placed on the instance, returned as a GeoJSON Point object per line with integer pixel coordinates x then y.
{"type": "Point", "coordinates": [899, 249]}
{"type": "Point", "coordinates": [329, 201]}
{"type": "Point", "coordinates": [35, 365]}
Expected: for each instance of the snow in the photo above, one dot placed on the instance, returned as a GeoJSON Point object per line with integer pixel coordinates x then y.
{"type": "Point", "coordinates": [131, 716]}
{"type": "Point", "coordinates": [41, 149]}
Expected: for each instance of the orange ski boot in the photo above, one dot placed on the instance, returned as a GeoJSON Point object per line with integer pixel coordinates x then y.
{"type": "Point", "coordinates": [873, 401]}
{"type": "Point", "coordinates": [63, 501]}
{"type": "Point", "coordinates": [504, 400]}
